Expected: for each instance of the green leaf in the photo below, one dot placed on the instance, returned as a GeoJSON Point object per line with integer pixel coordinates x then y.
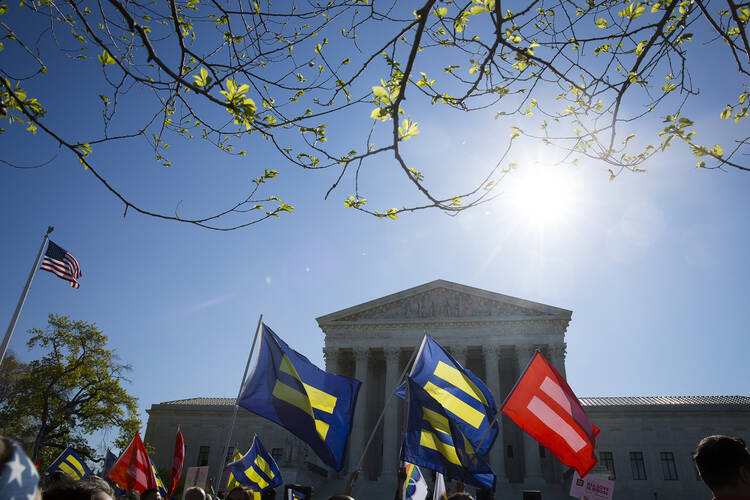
{"type": "Point", "coordinates": [106, 58]}
{"type": "Point", "coordinates": [601, 23]}
{"type": "Point", "coordinates": [717, 151]}
{"type": "Point", "coordinates": [441, 12]}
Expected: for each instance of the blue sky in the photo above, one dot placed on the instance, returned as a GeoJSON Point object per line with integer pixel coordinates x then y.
{"type": "Point", "coordinates": [652, 266]}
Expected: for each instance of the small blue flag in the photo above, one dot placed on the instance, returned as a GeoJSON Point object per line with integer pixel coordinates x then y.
{"type": "Point", "coordinates": [433, 440]}
{"type": "Point", "coordinates": [256, 468]}
{"type": "Point", "coordinates": [71, 464]}
{"type": "Point", "coordinates": [286, 388]}
{"type": "Point", "coordinates": [159, 483]}
{"type": "Point", "coordinates": [463, 395]}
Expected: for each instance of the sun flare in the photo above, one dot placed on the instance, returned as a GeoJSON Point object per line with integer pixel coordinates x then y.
{"type": "Point", "coordinates": [542, 195]}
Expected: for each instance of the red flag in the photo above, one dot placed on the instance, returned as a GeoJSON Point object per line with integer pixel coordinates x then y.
{"type": "Point", "coordinates": [543, 405]}
{"type": "Point", "coordinates": [133, 470]}
{"type": "Point", "coordinates": [177, 461]}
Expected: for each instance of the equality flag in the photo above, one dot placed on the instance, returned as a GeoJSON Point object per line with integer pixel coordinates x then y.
{"type": "Point", "coordinates": [177, 462]}
{"type": "Point", "coordinates": [109, 461]}
{"type": "Point", "coordinates": [463, 395]}
{"type": "Point", "coordinates": [133, 470]}
{"type": "Point", "coordinates": [232, 483]}
{"type": "Point", "coordinates": [433, 440]}
{"type": "Point", "coordinates": [439, 492]}
{"type": "Point", "coordinates": [286, 388]}
{"type": "Point", "coordinates": [256, 468]}
{"type": "Point", "coordinates": [415, 487]}
{"type": "Point", "coordinates": [543, 405]}
{"type": "Point", "coordinates": [159, 483]}
{"type": "Point", "coordinates": [62, 264]}
{"type": "Point", "coordinates": [71, 464]}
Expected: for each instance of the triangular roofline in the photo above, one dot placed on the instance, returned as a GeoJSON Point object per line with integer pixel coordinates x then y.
{"type": "Point", "coordinates": [552, 311]}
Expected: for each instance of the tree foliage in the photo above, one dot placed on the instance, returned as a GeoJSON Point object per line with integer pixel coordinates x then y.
{"type": "Point", "coordinates": [239, 73]}
{"type": "Point", "coordinates": [72, 391]}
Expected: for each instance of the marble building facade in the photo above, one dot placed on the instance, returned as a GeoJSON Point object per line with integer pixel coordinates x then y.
{"type": "Point", "coordinates": [645, 441]}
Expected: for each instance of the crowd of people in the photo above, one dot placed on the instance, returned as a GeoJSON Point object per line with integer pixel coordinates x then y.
{"type": "Point", "coordinates": [723, 463]}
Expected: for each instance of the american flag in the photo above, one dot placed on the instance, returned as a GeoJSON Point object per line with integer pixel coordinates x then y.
{"type": "Point", "coordinates": [62, 264]}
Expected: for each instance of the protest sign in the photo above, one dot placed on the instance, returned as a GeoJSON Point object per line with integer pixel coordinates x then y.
{"type": "Point", "coordinates": [591, 487]}
{"type": "Point", "coordinates": [196, 476]}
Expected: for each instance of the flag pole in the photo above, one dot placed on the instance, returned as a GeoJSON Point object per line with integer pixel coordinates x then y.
{"type": "Point", "coordinates": [239, 392]}
{"type": "Point", "coordinates": [500, 411]}
{"type": "Point", "coordinates": [353, 478]}
{"type": "Point", "coordinates": [17, 313]}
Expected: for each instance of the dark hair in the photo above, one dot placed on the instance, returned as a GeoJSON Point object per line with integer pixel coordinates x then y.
{"type": "Point", "coordinates": [149, 491]}
{"type": "Point", "coordinates": [244, 492]}
{"type": "Point", "coordinates": [93, 484]}
{"type": "Point", "coordinates": [460, 495]}
{"type": "Point", "coordinates": [130, 495]}
{"type": "Point", "coordinates": [719, 459]}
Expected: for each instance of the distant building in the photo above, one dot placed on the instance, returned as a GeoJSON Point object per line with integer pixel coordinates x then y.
{"type": "Point", "coordinates": [644, 445]}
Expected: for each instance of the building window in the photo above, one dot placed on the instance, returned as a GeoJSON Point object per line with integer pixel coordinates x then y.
{"type": "Point", "coordinates": [203, 455]}
{"type": "Point", "coordinates": [542, 452]}
{"type": "Point", "coordinates": [637, 466]}
{"type": "Point", "coordinates": [509, 451]}
{"type": "Point", "coordinates": [276, 453]}
{"type": "Point", "coordinates": [668, 467]}
{"type": "Point", "coordinates": [608, 461]}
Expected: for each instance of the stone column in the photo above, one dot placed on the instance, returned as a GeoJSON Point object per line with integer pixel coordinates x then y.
{"type": "Point", "coordinates": [390, 418]}
{"type": "Point", "coordinates": [332, 359]}
{"type": "Point", "coordinates": [532, 463]}
{"type": "Point", "coordinates": [557, 357]}
{"type": "Point", "coordinates": [491, 363]}
{"type": "Point", "coordinates": [460, 352]}
{"type": "Point", "coordinates": [358, 436]}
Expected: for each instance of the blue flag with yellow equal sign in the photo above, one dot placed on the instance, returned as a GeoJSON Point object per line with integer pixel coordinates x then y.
{"type": "Point", "coordinates": [256, 469]}
{"type": "Point", "coordinates": [433, 440]}
{"type": "Point", "coordinates": [71, 464]}
{"type": "Point", "coordinates": [159, 483]}
{"type": "Point", "coordinates": [468, 401]}
{"type": "Point", "coordinates": [286, 388]}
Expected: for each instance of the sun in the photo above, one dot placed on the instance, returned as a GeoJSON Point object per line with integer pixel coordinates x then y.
{"type": "Point", "coordinates": [542, 195]}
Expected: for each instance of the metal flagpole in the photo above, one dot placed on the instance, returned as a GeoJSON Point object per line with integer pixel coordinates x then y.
{"type": "Point", "coordinates": [500, 411]}
{"type": "Point", "coordinates": [239, 393]}
{"type": "Point", "coordinates": [353, 478]}
{"type": "Point", "coordinates": [14, 319]}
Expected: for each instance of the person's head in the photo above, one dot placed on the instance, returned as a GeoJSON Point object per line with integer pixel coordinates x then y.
{"type": "Point", "coordinates": [18, 475]}
{"type": "Point", "coordinates": [94, 488]}
{"type": "Point", "coordinates": [724, 465]}
{"type": "Point", "coordinates": [194, 493]}
{"type": "Point", "coordinates": [130, 495]}
{"type": "Point", "coordinates": [460, 495]}
{"type": "Point", "coordinates": [150, 494]}
{"type": "Point", "coordinates": [57, 480]}
{"type": "Point", "coordinates": [239, 493]}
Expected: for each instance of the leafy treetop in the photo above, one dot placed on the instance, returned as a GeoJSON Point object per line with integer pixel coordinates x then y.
{"type": "Point", "coordinates": [234, 73]}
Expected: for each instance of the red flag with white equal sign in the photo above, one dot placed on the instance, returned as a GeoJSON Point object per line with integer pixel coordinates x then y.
{"type": "Point", "coordinates": [177, 461]}
{"type": "Point", "coordinates": [133, 470]}
{"type": "Point", "coordinates": [543, 405]}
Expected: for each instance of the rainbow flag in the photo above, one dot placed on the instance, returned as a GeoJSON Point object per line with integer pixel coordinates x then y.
{"type": "Point", "coordinates": [415, 487]}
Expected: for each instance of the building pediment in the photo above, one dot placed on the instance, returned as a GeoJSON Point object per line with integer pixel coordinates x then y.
{"type": "Point", "coordinates": [443, 300]}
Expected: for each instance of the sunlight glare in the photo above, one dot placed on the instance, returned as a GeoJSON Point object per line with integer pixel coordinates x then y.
{"type": "Point", "coordinates": [541, 195]}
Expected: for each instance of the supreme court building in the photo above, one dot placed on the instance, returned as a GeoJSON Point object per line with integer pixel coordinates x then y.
{"type": "Point", "coordinates": [645, 443]}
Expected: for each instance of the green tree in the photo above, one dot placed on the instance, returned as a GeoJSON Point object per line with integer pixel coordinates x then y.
{"type": "Point", "coordinates": [73, 390]}
{"type": "Point", "coordinates": [583, 74]}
